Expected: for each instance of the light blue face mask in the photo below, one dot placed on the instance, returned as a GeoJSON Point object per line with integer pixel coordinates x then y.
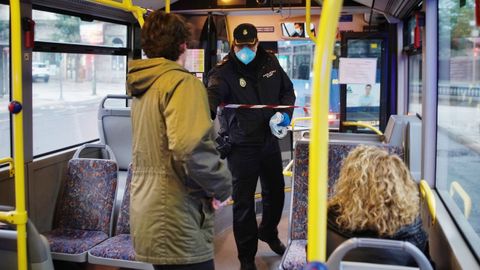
{"type": "Point", "coordinates": [245, 55]}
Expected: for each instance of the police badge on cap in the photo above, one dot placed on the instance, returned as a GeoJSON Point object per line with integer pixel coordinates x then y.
{"type": "Point", "coordinates": [245, 34]}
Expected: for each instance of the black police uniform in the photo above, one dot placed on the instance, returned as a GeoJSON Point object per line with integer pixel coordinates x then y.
{"type": "Point", "coordinates": [254, 150]}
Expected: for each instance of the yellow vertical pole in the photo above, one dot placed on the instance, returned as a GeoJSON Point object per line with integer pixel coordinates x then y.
{"type": "Point", "coordinates": [308, 15]}
{"type": "Point", "coordinates": [167, 6]}
{"type": "Point", "coordinates": [20, 211]}
{"type": "Point", "coordinates": [318, 158]}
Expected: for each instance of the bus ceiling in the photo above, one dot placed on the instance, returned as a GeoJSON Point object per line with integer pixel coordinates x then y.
{"type": "Point", "coordinates": [391, 8]}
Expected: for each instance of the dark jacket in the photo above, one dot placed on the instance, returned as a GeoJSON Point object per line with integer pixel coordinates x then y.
{"type": "Point", "coordinates": [261, 82]}
{"type": "Point", "coordinates": [174, 161]}
{"type": "Point", "coordinates": [412, 233]}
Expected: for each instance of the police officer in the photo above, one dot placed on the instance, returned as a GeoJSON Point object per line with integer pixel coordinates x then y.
{"type": "Point", "coordinates": [251, 75]}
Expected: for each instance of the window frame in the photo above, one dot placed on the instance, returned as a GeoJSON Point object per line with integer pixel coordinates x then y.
{"type": "Point", "coordinates": [10, 118]}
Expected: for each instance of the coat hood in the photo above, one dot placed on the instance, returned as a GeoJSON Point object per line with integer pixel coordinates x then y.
{"type": "Point", "coordinates": [142, 74]}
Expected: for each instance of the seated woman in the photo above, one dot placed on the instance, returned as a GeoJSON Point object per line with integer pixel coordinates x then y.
{"type": "Point", "coordinates": [375, 197]}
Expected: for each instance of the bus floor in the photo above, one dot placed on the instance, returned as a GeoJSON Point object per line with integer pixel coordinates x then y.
{"type": "Point", "coordinates": [226, 250]}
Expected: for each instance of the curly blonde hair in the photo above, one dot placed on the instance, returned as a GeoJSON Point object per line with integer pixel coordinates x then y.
{"type": "Point", "coordinates": [375, 191]}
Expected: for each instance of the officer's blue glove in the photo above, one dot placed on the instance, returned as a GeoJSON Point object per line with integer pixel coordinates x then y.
{"type": "Point", "coordinates": [278, 124]}
{"type": "Point", "coordinates": [286, 120]}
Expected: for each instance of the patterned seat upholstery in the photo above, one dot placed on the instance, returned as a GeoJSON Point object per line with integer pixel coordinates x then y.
{"type": "Point", "coordinates": [295, 257]}
{"type": "Point", "coordinates": [83, 217]}
{"type": "Point", "coordinates": [118, 250]}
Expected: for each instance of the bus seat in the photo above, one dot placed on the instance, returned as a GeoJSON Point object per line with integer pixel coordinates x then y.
{"type": "Point", "coordinates": [39, 257]}
{"type": "Point", "coordinates": [294, 257]}
{"type": "Point", "coordinates": [115, 130]}
{"type": "Point", "coordinates": [84, 211]}
{"type": "Point", "coordinates": [334, 262]}
{"type": "Point", "coordinates": [115, 126]}
{"type": "Point", "coordinates": [406, 131]}
{"type": "Point", "coordinates": [118, 250]}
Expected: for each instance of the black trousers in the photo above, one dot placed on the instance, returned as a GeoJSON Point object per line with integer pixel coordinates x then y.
{"type": "Point", "coordinates": [208, 265]}
{"type": "Point", "coordinates": [247, 164]}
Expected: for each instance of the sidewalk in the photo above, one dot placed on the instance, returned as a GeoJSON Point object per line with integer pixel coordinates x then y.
{"type": "Point", "coordinates": [54, 95]}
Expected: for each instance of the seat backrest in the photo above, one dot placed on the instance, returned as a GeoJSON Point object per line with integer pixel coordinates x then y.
{"type": "Point", "coordinates": [115, 126]}
{"type": "Point", "coordinates": [39, 256]}
{"type": "Point", "coordinates": [88, 195]}
{"type": "Point", "coordinates": [123, 221]}
{"type": "Point", "coordinates": [336, 153]}
{"type": "Point", "coordinates": [381, 245]}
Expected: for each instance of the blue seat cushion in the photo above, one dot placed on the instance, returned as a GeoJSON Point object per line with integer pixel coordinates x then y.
{"type": "Point", "coordinates": [295, 256]}
{"type": "Point", "coordinates": [72, 241]}
{"type": "Point", "coordinates": [118, 247]}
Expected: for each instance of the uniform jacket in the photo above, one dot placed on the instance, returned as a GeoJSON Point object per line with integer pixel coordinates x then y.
{"type": "Point", "coordinates": [262, 81]}
{"type": "Point", "coordinates": [412, 233]}
{"type": "Point", "coordinates": [176, 169]}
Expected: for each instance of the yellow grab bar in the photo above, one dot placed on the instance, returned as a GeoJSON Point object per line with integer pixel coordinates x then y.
{"type": "Point", "coordinates": [427, 194]}
{"type": "Point", "coordinates": [167, 6]}
{"type": "Point", "coordinates": [360, 124]}
{"type": "Point", "coordinates": [295, 120]}
{"type": "Point", "coordinates": [467, 201]}
{"type": "Point", "coordinates": [288, 170]}
{"type": "Point", "coordinates": [9, 160]}
{"type": "Point", "coordinates": [318, 158]}
{"type": "Point", "coordinates": [19, 216]}
{"type": "Point", "coordinates": [308, 14]}
{"type": "Point", "coordinates": [127, 5]}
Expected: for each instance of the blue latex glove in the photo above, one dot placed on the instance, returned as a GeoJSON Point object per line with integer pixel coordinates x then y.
{"type": "Point", "coordinates": [278, 130]}
{"type": "Point", "coordinates": [286, 120]}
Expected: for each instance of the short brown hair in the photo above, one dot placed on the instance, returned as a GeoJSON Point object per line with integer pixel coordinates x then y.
{"type": "Point", "coordinates": [162, 35]}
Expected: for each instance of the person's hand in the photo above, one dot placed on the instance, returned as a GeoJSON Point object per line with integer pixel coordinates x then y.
{"type": "Point", "coordinates": [216, 204]}
{"type": "Point", "coordinates": [278, 124]}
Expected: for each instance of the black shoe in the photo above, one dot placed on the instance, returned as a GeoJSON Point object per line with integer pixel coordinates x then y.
{"type": "Point", "coordinates": [275, 245]}
{"type": "Point", "coordinates": [248, 265]}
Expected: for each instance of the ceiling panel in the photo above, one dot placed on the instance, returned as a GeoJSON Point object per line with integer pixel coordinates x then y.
{"type": "Point", "coordinates": [152, 4]}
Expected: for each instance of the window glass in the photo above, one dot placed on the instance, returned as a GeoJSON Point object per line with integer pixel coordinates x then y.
{"type": "Point", "coordinates": [415, 84]}
{"type": "Point", "coordinates": [67, 90]}
{"type": "Point", "coordinates": [59, 28]}
{"type": "Point", "coordinates": [4, 81]}
{"type": "Point", "coordinates": [458, 135]}
{"type": "Point", "coordinates": [363, 100]}
{"type": "Point", "coordinates": [296, 58]}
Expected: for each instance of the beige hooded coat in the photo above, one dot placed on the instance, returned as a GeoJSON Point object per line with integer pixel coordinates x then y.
{"type": "Point", "coordinates": [176, 168]}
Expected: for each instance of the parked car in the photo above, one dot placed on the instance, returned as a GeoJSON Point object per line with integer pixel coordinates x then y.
{"type": "Point", "coordinates": [40, 71]}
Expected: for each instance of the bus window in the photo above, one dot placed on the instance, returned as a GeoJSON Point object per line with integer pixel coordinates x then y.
{"type": "Point", "coordinates": [363, 100]}
{"type": "Point", "coordinates": [60, 28]}
{"type": "Point", "coordinates": [296, 58]}
{"type": "Point", "coordinates": [4, 81]}
{"type": "Point", "coordinates": [458, 132]}
{"type": "Point", "coordinates": [68, 85]}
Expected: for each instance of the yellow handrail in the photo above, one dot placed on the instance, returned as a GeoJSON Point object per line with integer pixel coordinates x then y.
{"type": "Point", "coordinates": [19, 215]}
{"type": "Point", "coordinates": [360, 124]}
{"type": "Point", "coordinates": [288, 170]}
{"type": "Point", "coordinates": [167, 6]}
{"type": "Point", "coordinates": [295, 120]}
{"type": "Point", "coordinates": [9, 160]}
{"type": "Point", "coordinates": [308, 8]}
{"type": "Point", "coordinates": [318, 159]}
{"type": "Point", "coordinates": [127, 5]}
{"type": "Point", "coordinates": [467, 201]}
{"type": "Point", "coordinates": [427, 194]}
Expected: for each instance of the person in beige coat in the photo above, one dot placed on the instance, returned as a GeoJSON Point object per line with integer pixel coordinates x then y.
{"type": "Point", "coordinates": [178, 178]}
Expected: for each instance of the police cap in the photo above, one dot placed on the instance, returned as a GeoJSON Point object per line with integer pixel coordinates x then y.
{"type": "Point", "coordinates": [245, 34]}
